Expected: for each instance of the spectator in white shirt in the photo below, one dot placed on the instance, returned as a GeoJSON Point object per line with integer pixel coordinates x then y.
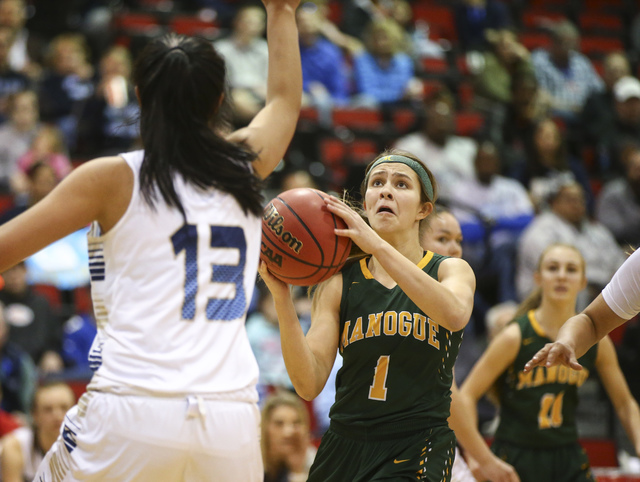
{"type": "Point", "coordinates": [566, 221]}
{"type": "Point", "coordinates": [246, 56]}
{"type": "Point", "coordinates": [448, 156]}
{"type": "Point", "coordinates": [492, 211]}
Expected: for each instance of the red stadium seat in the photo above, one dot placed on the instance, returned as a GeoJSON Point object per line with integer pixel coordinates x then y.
{"type": "Point", "coordinates": [601, 452]}
{"type": "Point", "coordinates": [193, 25]}
{"type": "Point", "coordinates": [358, 119]}
{"type": "Point", "coordinates": [308, 113]}
{"type": "Point", "coordinates": [548, 4]}
{"type": "Point", "coordinates": [534, 40]}
{"type": "Point", "coordinates": [335, 12]}
{"type": "Point", "coordinates": [335, 152]}
{"type": "Point", "coordinates": [434, 66]}
{"type": "Point", "coordinates": [332, 151]}
{"type": "Point", "coordinates": [462, 65]}
{"type": "Point", "coordinates": [603, 5]}
{"type": "Point", "coordinates": [597, 22]}
{"type": "Point", "coordinates": [403, 120]}
{"type": "Point", "coordinates": [597, 46]}
{"type": "Point", "coordinates": [136, 23]}
{"type": "Point", "coordinates": [429, 86]}
{"type": "Point", "coordinates": [6, 202]}
{"type": "Point", "coordinates": [363, 150]}
{"type": "Point", "coordinates": [50, 292]}
{"type": "Point", "coordinates": [465, 94]}
{"type": "Point", "coordinates": [439, 18]}
{"type": "Point", "coordinates": [536, 19]}
{"type": "Point", "coordinates": [468, 123]}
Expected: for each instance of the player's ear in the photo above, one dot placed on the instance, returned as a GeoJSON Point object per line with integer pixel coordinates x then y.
{"type": "Point", "coordinates": [537, 278]}
{"type": "Point", "coordinates": [425, 210]}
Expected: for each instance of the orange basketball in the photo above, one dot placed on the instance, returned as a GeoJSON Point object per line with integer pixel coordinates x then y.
{"type": "Point", "coordinates": [298, 242]}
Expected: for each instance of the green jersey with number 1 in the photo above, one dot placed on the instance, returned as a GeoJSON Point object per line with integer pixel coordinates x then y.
{"type": "Point", "coordinates": [398, 363]}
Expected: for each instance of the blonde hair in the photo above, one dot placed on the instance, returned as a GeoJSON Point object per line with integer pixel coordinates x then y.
{"type": "Point", "coordinates": [54, 134]}
{"type": "Point", "coordinates": [278, 399]}
{"type": "Point", "coordinates": [76, 39]}
{"type": "Point", "coordinates": [534, 299]}
{"type": "Point", "coordinates": [393, 30]}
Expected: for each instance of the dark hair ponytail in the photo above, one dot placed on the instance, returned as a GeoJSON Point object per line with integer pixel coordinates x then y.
{"type": "Point", "coordinates": [181, 83]}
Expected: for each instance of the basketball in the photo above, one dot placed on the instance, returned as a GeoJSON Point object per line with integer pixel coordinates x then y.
{"type": "Point", "coordinates": [298, 242]}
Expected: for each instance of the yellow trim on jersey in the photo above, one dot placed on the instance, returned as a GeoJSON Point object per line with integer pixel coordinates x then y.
{"type": "Point", "coordinates": [425, 260]}
{"type": "Point", "coordinates": [534, 323]}
{"type": "Point", "coordinates": [365, 269]}
{"type": "Point", "coordinates": [367, 274]}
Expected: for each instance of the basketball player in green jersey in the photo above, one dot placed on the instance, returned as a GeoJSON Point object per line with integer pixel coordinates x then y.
{"type": "Point", "coordinates": [444, 236]}
{"type": "Point", "coordinates": [537, 432]}
{"type": "Point", "coordinates": [396, 317]}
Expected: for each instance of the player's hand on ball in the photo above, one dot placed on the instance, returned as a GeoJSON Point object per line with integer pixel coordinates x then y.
{"type": "Point", "coordinates": [279, 289]}
{"type": "Point", "coordinates": [554, 354]}
{"type": "Point", "coordinates": [357, 229]}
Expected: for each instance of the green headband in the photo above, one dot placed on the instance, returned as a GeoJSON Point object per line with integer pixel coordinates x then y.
{"type": "Point", "coordinates": [415, 165]}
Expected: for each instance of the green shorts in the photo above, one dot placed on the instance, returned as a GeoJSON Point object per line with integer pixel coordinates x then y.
{"type": "Point", "coordinates": [423, 455]}
{"type": "Point", "coordinates": [567, 463]}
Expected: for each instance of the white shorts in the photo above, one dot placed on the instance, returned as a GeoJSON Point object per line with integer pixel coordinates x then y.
{"type": "Point", "coordinates": [130, 438]}
{"type": "Point", "coordinates": [460, 472]}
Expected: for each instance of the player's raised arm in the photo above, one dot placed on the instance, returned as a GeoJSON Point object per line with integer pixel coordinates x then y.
{"type": "Point", "coordinates": [270, 132]}
{"type": "Point", "coordinates": [77, 201]}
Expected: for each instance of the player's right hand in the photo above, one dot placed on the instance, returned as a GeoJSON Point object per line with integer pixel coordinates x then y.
{"type": "Point", "coordinates": [552, 354]}
{"type": "Point", "coordinates": [495, 470]}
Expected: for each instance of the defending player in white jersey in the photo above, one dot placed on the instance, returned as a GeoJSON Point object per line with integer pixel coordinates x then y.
{"type": "Point", "coordinates": [174, 250]}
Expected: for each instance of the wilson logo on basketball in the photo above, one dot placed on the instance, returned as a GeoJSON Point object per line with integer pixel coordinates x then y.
{"type": "Point", "coordinates": [275, 223]}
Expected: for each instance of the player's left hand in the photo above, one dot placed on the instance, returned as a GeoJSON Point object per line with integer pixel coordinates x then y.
{"type": "Point", "coordinates": [279, 289]}
{"type": "Point", "coordinates": [357, 229]}
{"type": "Point", "coordinates": [552, 354]}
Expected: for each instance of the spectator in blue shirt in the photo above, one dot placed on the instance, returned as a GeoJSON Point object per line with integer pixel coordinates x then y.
{"type": "Point", "coordinates": [384, 73]}
{"type": "Point", "coordinates": [324, 77]}
{"type": "Point", "coordinates": [474, 17]}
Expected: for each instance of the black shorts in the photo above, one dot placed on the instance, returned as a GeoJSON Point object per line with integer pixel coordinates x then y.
{"type": "Point", "coordinates": [567, 463]}
{"type": "Point", "coordinates": [426, 455]}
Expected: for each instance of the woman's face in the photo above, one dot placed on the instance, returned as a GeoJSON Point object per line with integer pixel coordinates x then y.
{"type": "Point", "coordinates": [547, 137]}
{"type": "Point", "coordinates": [68, 57]}
{"type": "Point", "coordinates": [25, 110]}
{"type": "Point", "coordinates": [251, 22]}
{"type": "Point", "coordinates": [381, 43]}
{"type": "Point", "coordinates": [392, 199]}
{"type": "Point", "coordinates": [444, 236]}
{"type": "Point", "coordinates": [286, 430]}
{"type": "Point", "coordinates": [561, 274]}
{"type": "Point", "coordinates": [50, 406]}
